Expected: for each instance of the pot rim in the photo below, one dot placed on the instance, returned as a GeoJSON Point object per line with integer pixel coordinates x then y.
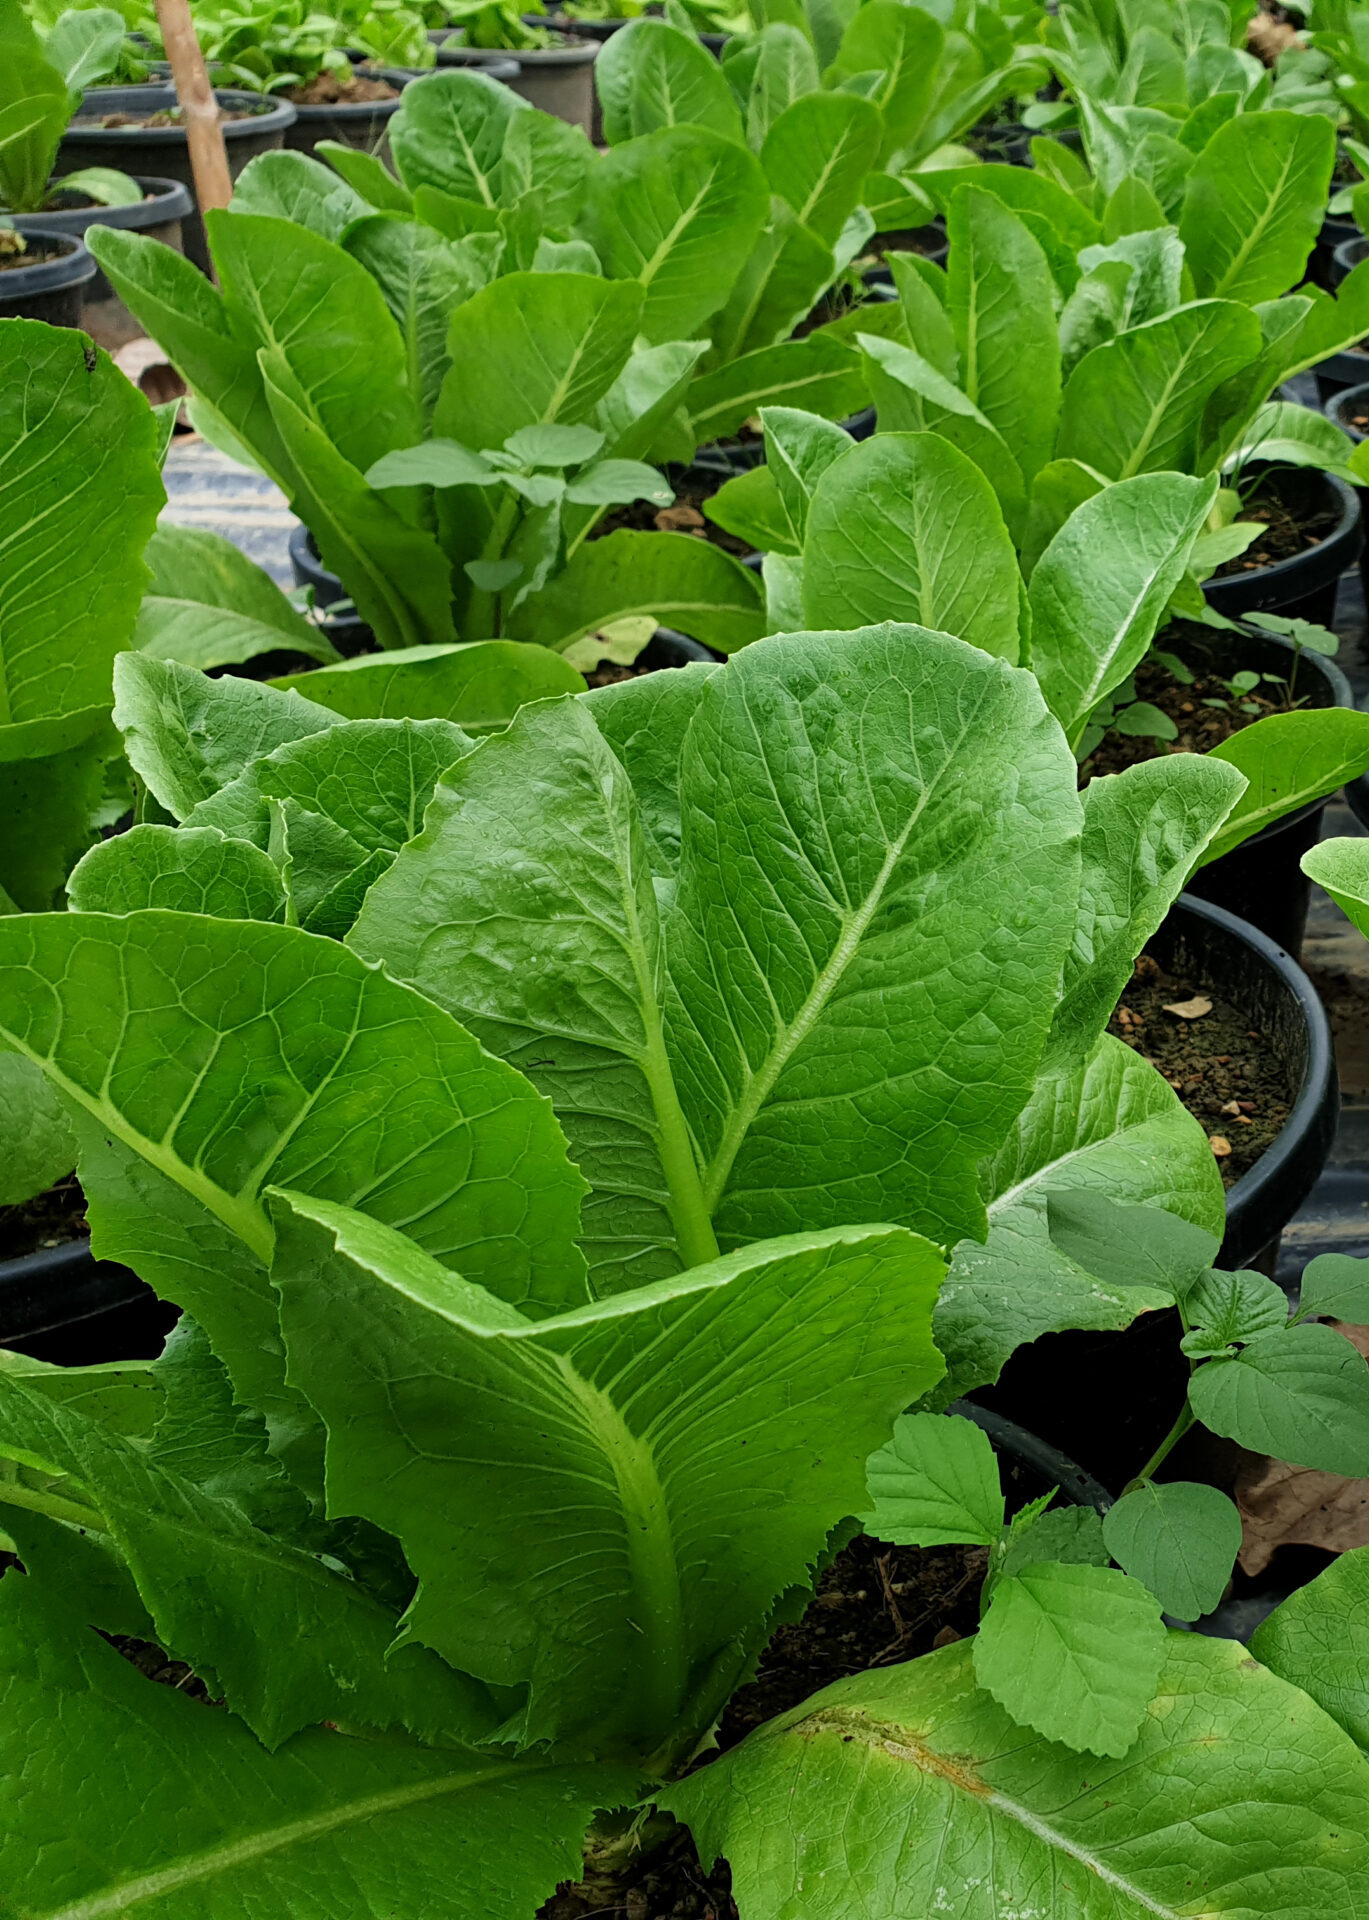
{"type": "Point", "coordinates": [170, 200]}
{"type": "Point", "coordinates": [279, 115]}
{"type": "Point", "coordinates": [74, 266]}
{"type": "Point", "coordinates": [1235, 595]}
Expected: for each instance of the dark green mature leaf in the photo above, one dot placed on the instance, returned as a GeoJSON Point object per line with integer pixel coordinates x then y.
{"type": "Point", "coordinates": [38, 1144]}
{"type": "Point", "coordinates": [450, 133]}
{"type": "Point", "coordinates": [1225, 1307]}
{"type": "Point", "coordinates": [820, 373]}
{"type": "Point", "coordinates": [1000, 304]}
{"type": "Point", "coordinates": [678, 210]}
{"type": "Point", "coordinates": [196, 1823]}
{"type": "Point", "coordinates": [1301, 1394]}
{"type": "Point", "coordinates": [368, 175]}
{"type": "Point", "coordinates": [1145, 830]}
{"type": "Point", "coordinates": [479, 685]}
{"type": "Point", "coordinates": [423, 279]}
{"type": "Point", "coordinates": [203, 1058]}
{"type": "Point", "coordinates": [1319, 1640]}
{"type": "Point", "coordinates": [684, 1415]}
{"type": "Point", "coordinates": [906, 526]}
{"type": "Point", "coordinates": [1255, 199]}
{"type": "Point", "coordinates": [935, 1484]}
{"type": "Point", "coordinates": [681, 582]}
{"type": "Point", "coordinates": [855, 1795]}
{"type": "Point", "coordinates": [1136, 403]}
{"type": "Point", "coordinates": [48, 806]}
{"type": "Point", "coordinates": [80, 490]}
{"type": "Point", "coordinates": [651, 75]}
{"type": "Point", "coordinates": [1335, 1287]}
{"type": "Point", "coordinates": [187, 736]}
{"type": "Point", "coordinates": [644, 721]}
{"type": "Point", "coordinates": [783, 279]}
{"type": "Point", "coordinates": [1024, 190]}
{"type": "Point", "coordinates": [1180, 1540]}
{"type": "Point", "coordinates": [1100, 589]}
{"type": "Point", "coordinates": [1289, 759]}
{"type": "Point", "coordinates": [531, 349]}
{"type": "Point", "coordinates": [1130, 1246]}
{"type": "Point", "coordinates": [817, 154]}
{"type": "Point", "coordinates": [1073, 1652]}
{"type": "Point", "coordinates": [189, 870]}
{"type": "Point", "coordinates": [286, 1638]}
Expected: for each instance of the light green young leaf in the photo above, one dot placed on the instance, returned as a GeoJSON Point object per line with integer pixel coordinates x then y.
{"type": "Point", "coordinates": [366, 174]}
{"type": "Point", "coordinates": [1283, 430]}
{"type": "Point", "coordinates": [935, 1484]}
{"type": "Point", "coordinates": [1136, 403]}
{"type": "Point", "coordinates": [1004, 317]}
{"type": "Point", "coordinates": [1226, 1307]}
{"type": "Point", "coordinates": [1255, 200]}
{"type": "Point", "coordinates": [685, 1414]}
{"type": "Point", "coordinates": [479, 685]}
{"type": "Point", "coordinates": [1180, 1540]}
{"type": "Point", "coordinates": [1301, 1394]}
{"type": "Point", "coordinates": [650, 75]}
{"type": "Point", "coordinates": [187, 736]}
{"type": "Point", "coordinates": [681, 582]}
{"type": "Point", "coordinates": [1100, 589]}
{"type": "Point", "coordinates": [548, 346]}
{"type": "Point", "coordinates": [1073, 1652]}
{"type": "Point", "coordinates": [1145, 830]}
{"type": "Point", "coordinates": [188, 870]}
{"type": "Point", "coordinates": [370, 778]}
{"type": "Point", "coordinates": [949, 1798]}
{"type": "Point", "coordinates": [1318, 1640]}
{"type": "Point", "coordinates": [678, 210]}
{"type": "Point", "coordinates": [907, 525]}
{"type": "Point", "coordinates": [423, 279]}
{"type": "Point", "coordinates": [1335, 1287]}
{"type": "Point", "coordinates": [199, 1821]}
{"type": "Point", "coordinates": [1289, 759]}
{"type": "Point", "coordinates": [1072, 1536]}
{"type": "Point", "coordinates": [818, 154]}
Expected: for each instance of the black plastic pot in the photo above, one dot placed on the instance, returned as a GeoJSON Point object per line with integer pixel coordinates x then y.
{"type": "Point", "coordinates": [359, 123]}
{"type": "Point", "coordinates": [1262, 882]}
{"type": "Point", "coordinates": [1108, 1399]}
{"type": "Point", "coordinates": [53, 288]}
{"type": "Point", "coordinates": [62, 1304]}
{"type": "Point", "coordinates": [158, 216]}
{"type": "Point", "coordinates": [1321, 267]}
{"type": "Point", "coordinates": [559, 80]}
{"type": "Point", "coordinates": [1303, 587]}
{"type": "Point", "coordinates": [350, 634]}
{"type": "Point", "coordinates": [929, 241]}
{"type": "Point", "coordinates": [1025, 1458]}
{"type": "Point", "coordinates": [1347, 254]}
{"type": "Point", "coordinates": [164, 152]}
{"type": "Point", "coordinates": [1340, 407]}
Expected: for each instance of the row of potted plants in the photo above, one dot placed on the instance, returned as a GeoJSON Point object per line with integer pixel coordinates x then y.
{"type": "Point", "coordinates": [497, 1076]}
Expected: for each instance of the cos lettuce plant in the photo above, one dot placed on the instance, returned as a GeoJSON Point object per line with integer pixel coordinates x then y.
{"type": "Point", "coordinates": [40, 88]}
{"type": "Point", "coordinates": [432, 1339]}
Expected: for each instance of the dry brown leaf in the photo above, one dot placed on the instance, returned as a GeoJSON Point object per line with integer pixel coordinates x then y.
{"type": "Point", "coordinates": [1193, 1009]}
{"type": "Point", "coordinates": [1268, 38]}
{"type": "Point", "coordinates": [1283, 1506]}
{"type": "Point", "coordinates": [679, 519]}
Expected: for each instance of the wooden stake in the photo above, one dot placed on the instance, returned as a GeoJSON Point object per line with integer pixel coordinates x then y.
{"type": "Point", "coordinates": [199, 109]}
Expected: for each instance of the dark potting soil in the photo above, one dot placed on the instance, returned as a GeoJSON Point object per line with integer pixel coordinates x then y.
{"type": "Point", "coordinates": [1287, 532]}
{"type": "Point", "coordinates": [164, 117]}
{"type": "Point", "coordinates": [1205, 713]}
{"type": "Point", "coordinates": [50, 1219]}
{"type": "Point", "coordinates": [684, 515]}
{"type": "Point", "coordinates": [328, 89]}
{"type": "Point", "coordinates": [874, 1606]}
{"type": "Point", "coordinates": [1232, 1083]}
{"type": "Point", "coordinates": [1359, 419]}
{"type": "Point", "coordinates": [24, 251]}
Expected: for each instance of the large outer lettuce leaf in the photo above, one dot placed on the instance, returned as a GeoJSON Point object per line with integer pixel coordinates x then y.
{"type": "Point", "coordinates": [1254, 203]}
{"type": "Point", "coordinates": [910, 1791]}
{"type": "Point", "coordinates": [683, 583]}
{"type": "Point", "coordinates": [1319, 1640]}
{"type": "Point", "coordinates": [201, 1059]}
{"type": "Point", "coordinates": [863, 952]}
{"type": "Point", "coordinates": [123, 1797]}
{"type": "Point", "coordinates": [696, 1440]}
{"type": "Point", "coordinates": [652, 75]}
{"type": "Point", "coordinates": [479, 685]}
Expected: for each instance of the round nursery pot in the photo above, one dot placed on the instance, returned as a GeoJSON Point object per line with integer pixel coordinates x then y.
{"type": "Point", "coordinates": [253, 123]}
{"type": "Point", "coordinates": [1349, 368]}
{"type": "Point", "coordinates": [1335, 233]}
{"type": "Point", "coordinates": [929, 241]}
{"type": "Point", "coordinates": [51, 285]}
{"type": "Point", "coordinates": [1304, 586]}
{"type": "Point", "coordinates": [1108, 1399]}
{"type": "Point", "coordinates": [62, 1304]}
{"type": "Point", "coordinates": [351, 123]}
{"type": "Point", "coordinates": [559, 80]}
{"type": "Point", "coordinates": [1262, 881]}
{"type": "Point", "coordinates": [158, 216]}
{"type": "Point", "coordinates": [350, 634]}
{"type": "Point", "coordinates": [1348, 407]}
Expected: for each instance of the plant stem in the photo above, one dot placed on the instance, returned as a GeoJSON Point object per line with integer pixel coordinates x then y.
{"type": "Point", "coordinates": [1163, 1451]}
{"type": "Point", "coordinates": [483, 610]}
{"type": "Point", "coordinates": [14, 1494]}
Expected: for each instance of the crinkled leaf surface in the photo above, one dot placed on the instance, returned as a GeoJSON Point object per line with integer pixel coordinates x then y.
{"type": "Point", "coordinates": [186, 869]}
{"type": "Point", "coordinates": [697, 1440]}
{"type": "Point", "coordinates": [910, 1791]}
{"type": "Point", "coordinates": [1318, 1639]}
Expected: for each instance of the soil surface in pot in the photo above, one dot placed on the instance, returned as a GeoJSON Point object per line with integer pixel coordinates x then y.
{"type": "Point", "coordinates": [928, 241]}
{"type": "Point", "coordinates": [50, 1219]}
{"type": "Point", "coordinates": [163, 117]}
{"type": "Point", "coordinates": [1290, 528]}
{"type": "Point", "coordinates": [1359, 419]}
{"type": "Point", "coordinates": [684, 515]}
{"type": "Point", "coordinates": [1205, 712]}
{"type": "Point", "coordinates": [1223, 1070]}
{"type": "Point", "coordinates": [875, 1605]}
{"type": "Point", "coordinates": [329, 89]}
{"type": "Point", "coordinates": [32, 252]}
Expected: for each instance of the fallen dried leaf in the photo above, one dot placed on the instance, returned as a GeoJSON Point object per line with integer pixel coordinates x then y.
{"type": "Point", "coordinates": [1193, 1009]}
{"type": "Point", "coordinates": [1219, 1144]}
{"type": "Point", "coordinates": [678, 519]}
{"type": "Point", "coordinates": [1284, 1506]}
